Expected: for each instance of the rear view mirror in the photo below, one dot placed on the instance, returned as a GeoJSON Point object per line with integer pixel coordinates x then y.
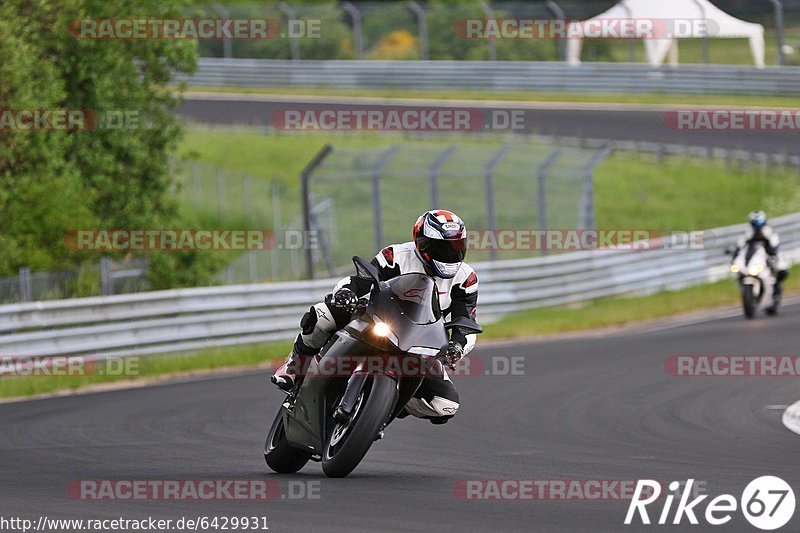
{"type": "Point", "coordinates": [366, 270]}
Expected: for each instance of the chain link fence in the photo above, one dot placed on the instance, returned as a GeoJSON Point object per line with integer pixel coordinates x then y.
{"type": "Point", "coordinates": [374, 196]}
{"type": "Point", "coordinates": [101, 279]}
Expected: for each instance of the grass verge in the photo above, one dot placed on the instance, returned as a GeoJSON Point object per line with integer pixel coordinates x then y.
{"type": "Point", "coordinates": [526, 96]}
{"type": "Point", "coordinates": [595, 314]}
{"type": "Point", "coordinates": [144, 368]}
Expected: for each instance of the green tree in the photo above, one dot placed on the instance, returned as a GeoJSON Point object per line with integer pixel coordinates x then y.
{"type": "Point", "coordinates": [56, 181]}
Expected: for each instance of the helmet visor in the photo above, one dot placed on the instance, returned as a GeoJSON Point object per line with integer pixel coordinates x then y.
{"type": "Point", "coordinates": [444, 250]}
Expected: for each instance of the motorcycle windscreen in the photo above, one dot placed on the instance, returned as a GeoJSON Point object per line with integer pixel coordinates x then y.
{"type": "Point", "coordinates": [417, 297]}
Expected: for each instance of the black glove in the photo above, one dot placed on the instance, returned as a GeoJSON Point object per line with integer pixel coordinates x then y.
{"type": "Point", "coordinates": [455, 353]}
{"type": "Point", "coordinates": [345, 299]}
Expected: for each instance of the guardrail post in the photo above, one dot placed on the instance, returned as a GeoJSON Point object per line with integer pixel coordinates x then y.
{"type": "Point", "coordinates": [491, 219]}
{"type": "Point", "coordinates": [587, 218]}
{"type": "Point", "coordinates": [376, 194]}
{"type": "Point", "coordinates": [436, 167]}
{"type": "Point", "coordinates": [358, 39]}
{"type": "Point", "coordinates": [291, 14]}
{"type": "Point", "coordinates": [25, 285]}
{"type": "Point", "coordinates": [106, 287]}
{"type": "Point", "coordinates": [227, 50]}
{"type": "Point", "coordinates": [489, 12]}
{"type": "Point", "coordinates": [422, 25]}
{"type": "Point", "coordinates": [305, 176]}
{"type": "Point", "coordinates": [541, 192]}
{"type": "Point", "coordinates": [778, 5]}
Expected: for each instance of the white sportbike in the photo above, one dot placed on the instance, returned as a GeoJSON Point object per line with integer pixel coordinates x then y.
{"type": "Point", "coordinates": [752, 269]}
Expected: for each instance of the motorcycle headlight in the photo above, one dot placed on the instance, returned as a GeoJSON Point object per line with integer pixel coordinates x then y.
{"type": "Point", "coordinates": [382, 335]}
{"type": "Point", "coordinates": [381, 330]}
{"type": "Point", "coordinates": [735, 269]}
{"type": "Point", "coordinates": [754, 270]}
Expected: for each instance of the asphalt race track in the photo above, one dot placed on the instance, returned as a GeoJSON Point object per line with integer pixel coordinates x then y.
{"type": "Point", "coordinates": [640, 123]}
{"type": "Point", "coordinates": [599, 407]}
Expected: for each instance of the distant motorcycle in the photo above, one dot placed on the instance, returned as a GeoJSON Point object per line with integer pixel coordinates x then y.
{"type": "Point", "coordinates": [334, 417]}
{"type": "Point", "coordinates": [751, 267]}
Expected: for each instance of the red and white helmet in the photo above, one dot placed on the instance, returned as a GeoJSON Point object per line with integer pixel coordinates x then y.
{"type": "Point", "coordinates": [441, 239]}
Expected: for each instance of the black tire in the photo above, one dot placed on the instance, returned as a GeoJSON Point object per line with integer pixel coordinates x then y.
{"type": "Point", "coordinates": [748, 301]}
{"type": "Point", "coordinates": [279, 454]}
{"type": "Point", "coordinates": [371, 412]}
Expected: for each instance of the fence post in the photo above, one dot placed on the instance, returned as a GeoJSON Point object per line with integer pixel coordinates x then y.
{"type": "Point", "coordinates": [376, 193]}
{"type": "Point", "coordinates": [226, 43]}
{"type": "Point", "coordinates": [489, 175]}
{"type": "Point", "coordinates": [704, 39]}
{"type": "Point", "coordinates": [358, 39]}
{"type": "Point", "coordinates": [779, 30]}
{"type": "Point", "coordinates": [436, 167]}
{"type": "Point", "coordinates": [106, 288]}
{"type": "Point", "coordinates": [25, 285]}
{"type": "Point", "coordinates": [422, 24]}
{"type": "Point", "coordinates": [246, 199]}
{"type": "Point", "coordinates": [587, 216]}
{"type": "Point", "coordinates": [541, 191]}
{"type": "Point", "coordinates": [291, 14]}
{"type": "Point", "coordinates": [489, 12]}
{"type": "Point", "coordinates": [559, 13]}
{"type": "Point", "coordinates": [276, 225]}
{"type": "Point", "coordinates": [220, 194]}
{"type": "Point", "coordinates": [305, 177]}
{"type": "Point", "coordinates": [195, 187]}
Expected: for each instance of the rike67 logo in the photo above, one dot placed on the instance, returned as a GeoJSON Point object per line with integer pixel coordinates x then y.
{"type": "Point", "coordinates": [767, 503]}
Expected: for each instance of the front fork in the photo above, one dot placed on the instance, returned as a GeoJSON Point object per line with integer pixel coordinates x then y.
{"type": "Point", "coordinates": [354, 387]}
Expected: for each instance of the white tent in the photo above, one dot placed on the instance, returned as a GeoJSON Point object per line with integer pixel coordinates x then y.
{"type": "Point", "coordinates": [691, 19]}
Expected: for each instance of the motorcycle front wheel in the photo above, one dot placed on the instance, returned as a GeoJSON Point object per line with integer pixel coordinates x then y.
{"type": "Point", "coordinates": [748, 301]}
{"type": "Point", "coordinates": [351, 439]}
{"type": "Point", "coordinates": [279, 454]}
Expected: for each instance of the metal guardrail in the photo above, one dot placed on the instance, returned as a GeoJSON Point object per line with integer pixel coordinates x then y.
{"type": "Point", "coordinates": [189, 319]}
{"type": "Point", "coordinates": [498, 76]}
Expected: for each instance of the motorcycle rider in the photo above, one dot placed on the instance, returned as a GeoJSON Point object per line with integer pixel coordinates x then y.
{"type": "Point", "coordinates": [438, 250]}
{"type": "Point", "coordinates": [760, 232]}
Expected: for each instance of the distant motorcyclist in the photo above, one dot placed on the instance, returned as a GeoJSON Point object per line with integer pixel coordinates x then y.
{"type": "Point", "coordinates": [438, 250]}
{"type": "Point", "coordinates": [760, 232]}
